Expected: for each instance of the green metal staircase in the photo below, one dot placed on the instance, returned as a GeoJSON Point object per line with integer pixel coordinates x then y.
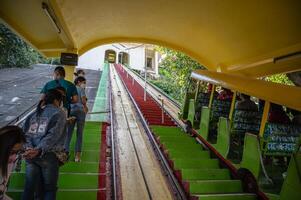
{"type": "Point", "coordinates": [76, 180]}
{"type": "Point", "coordinates": [201, 175]}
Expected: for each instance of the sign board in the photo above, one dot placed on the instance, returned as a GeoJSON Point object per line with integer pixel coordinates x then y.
{"type": "Point", "coordinates": [69, 59]}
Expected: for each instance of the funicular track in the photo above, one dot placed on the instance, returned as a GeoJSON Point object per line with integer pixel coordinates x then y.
{"type": "Point", "coordinates": [199, 169]}
{"type": "Point", "coordinates": [151, 184]}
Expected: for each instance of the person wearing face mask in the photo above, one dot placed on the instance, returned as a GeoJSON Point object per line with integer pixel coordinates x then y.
{"type": "Point", "coordinates": [45, 135]}
{"type": "Point", "coordinates": [79, 73]}
{"type": "Point", "coordinates": [11, 141]}
{"type": "Point", "coordinates": [78, 111]}
{"type": "Point", "coordinates": [59, 81]}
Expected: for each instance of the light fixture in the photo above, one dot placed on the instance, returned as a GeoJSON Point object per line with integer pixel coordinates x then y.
{"type": "Point", "coordinates": [45, 7]}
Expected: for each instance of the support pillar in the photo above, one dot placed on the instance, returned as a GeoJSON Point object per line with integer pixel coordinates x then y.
{"type": "Point", "coordinates": [211, 96]}
{"type": "Point", "coordinates": [69, 72]}
{"type": "Point", "coordinates": [70, 69]}
{"type": "Point", "coordinates": [232, 105]}
{"type": "Point", "coordinates": [264, 118]}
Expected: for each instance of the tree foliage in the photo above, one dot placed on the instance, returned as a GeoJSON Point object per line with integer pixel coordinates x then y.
{"type": "Point", "coordinates": [279, 78]}
{"type": "Point", "coordinates": [14, 52]}
{"type": "Point", "coordinates": [175, 69]}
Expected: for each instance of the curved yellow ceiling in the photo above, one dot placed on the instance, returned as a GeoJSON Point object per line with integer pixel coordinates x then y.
{"type": "Point", "coordinates": [232, 36]}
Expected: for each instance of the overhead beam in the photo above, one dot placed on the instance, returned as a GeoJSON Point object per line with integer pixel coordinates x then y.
{"type": "Point", "coordinates": [65, 33]}
{"type": "Point", "coordinates": [273, 92]}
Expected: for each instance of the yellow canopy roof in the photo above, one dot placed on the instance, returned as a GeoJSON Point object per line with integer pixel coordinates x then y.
{"type": "Point", "coordinates": [273, 92]}
{"type": "Point", "coordinates": [245, 37]}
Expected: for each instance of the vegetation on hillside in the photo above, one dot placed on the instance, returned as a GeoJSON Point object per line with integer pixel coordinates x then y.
{"type": "Point", "coordinates": [175, 70]}
{"type": "Point", "coordinates": [14, 52]}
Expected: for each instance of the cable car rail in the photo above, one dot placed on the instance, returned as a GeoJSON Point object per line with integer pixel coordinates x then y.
{"type": "Point", "coordinates": [178, 192]}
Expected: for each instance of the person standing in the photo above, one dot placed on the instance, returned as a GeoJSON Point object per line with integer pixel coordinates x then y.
{"type": "Point", "coordinates": [59, 81]}
{"type": "Point", "coordinates": [11, 141]}
{"type": "Point", "coordinates": [45, 136]}
{"type": "Point", "coordinates": [78, 111]}
{"type": "Point", "coordinates": [79, 73]}
{"type": "Point", "coordinates": [246, 103]}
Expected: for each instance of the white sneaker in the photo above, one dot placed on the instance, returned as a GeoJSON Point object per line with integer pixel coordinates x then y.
{"type": "Point", "coordinates": [77, 160]}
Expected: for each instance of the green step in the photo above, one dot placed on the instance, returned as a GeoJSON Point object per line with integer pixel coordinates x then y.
{"type": "Point", "coordinates": [83, 181]}
{"type": "Point", "coordinates": [66, 181]}
{"type": "Point", "coordinates": [180, 145]}
{"type": "Point", "coordinates": [184, 154]}
{"type": "Point", "coordinates": [237, 196]}
{"type": "Point", "coordinates": [206, 174]}
{"type": "Point", "coordinates": [82, 167]}
{"type": "Point", "coordinates": [160, 130]}
{"type": "Point", "coordinates": [196, 163]}
{"type": "Point", "coordinates": [177, 139]}
{"type": "Point", "coordinates": [170, 134]}
{"type": "Point", "coordinates": [87, 156]}
{"type": "Point", "coordinates": [88, 146]}
{"type": "Point", "coordinates": [63, 195]}
{"type": "Point", "coordinates": [215, 186]}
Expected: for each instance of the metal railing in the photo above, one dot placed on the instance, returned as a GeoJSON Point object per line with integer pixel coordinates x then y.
{"type": "Point", "coordinates": [20, 118]}
{"type": "Point", "coordinates": [177, 104]}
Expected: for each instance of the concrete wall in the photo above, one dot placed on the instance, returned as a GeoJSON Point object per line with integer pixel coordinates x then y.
{"type": "Point", "coordinates": [137, 58]}
{"type": "Point", "coordinates": [94, 58]}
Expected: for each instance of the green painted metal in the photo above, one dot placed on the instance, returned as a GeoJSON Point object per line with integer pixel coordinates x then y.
{"type": "Point", "coordinates": [223, 137]}
{"type": "Point", "coordinates": [82, 167]}
{"type": "Point", "coordinates": [291, 188]}
{"type": "Point", "coordinates": [183, 154]}
{"type": "Point", "coordinates": [63, 195]}
{"type": "Point", "coordinates": [204, 123]}
{"type": "Point", "coordinates": [251, 154]}
{"type": "Point", "coordinates": [101, 99]}
{"type": "Point", "coordinates": [227, 197]}
{"type": "Point", "coordinates": [215, 186]}
{"type": "Point", "coordinates": [194, 163]}
{"type": "Point", "coordinates": [206, 174]}
{"type": "Point", "coordinates": [188, 96]}
{"type": "Point", "coordinates": [191, 111]}
{"type": "Point", "coordinates": [206, 178]}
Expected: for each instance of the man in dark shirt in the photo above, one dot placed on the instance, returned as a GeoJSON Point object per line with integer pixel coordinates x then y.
{"type": "Point", "coordinates": [246, 104]}
{"type": "Point", "coordinates": [59, 81]}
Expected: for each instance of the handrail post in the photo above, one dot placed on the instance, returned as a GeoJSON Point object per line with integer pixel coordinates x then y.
{"type": "Point", "coordinates": [145, 83]}
{"type": "Point", "coordinates": [162, 101]}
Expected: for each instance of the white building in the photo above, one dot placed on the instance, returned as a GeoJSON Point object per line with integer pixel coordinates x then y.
{"type": "Point", "coordinates": [136, 56]}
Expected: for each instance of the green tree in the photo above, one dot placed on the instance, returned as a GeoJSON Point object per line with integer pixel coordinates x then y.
{"type": "Point", "coordinates": [14, 52]}
{"type": "Point", "coordinates": [279, 78]}
{"type": "Point", "coordinates": [175, 69]}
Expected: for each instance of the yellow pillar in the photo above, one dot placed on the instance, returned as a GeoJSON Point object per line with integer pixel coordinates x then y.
{"type": "Point", "coordinates": [197, 91]}
{"type": "Point", "coordinates": [211, 96]}
{"type": "Point", "coordinates": [70, 69]}
{"type": "Point", "coordinates": [69, 72]}
{"type": "Point", "coordinates": [232, 105]}
{"type": "Point", "coordinates": [264, 118]}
